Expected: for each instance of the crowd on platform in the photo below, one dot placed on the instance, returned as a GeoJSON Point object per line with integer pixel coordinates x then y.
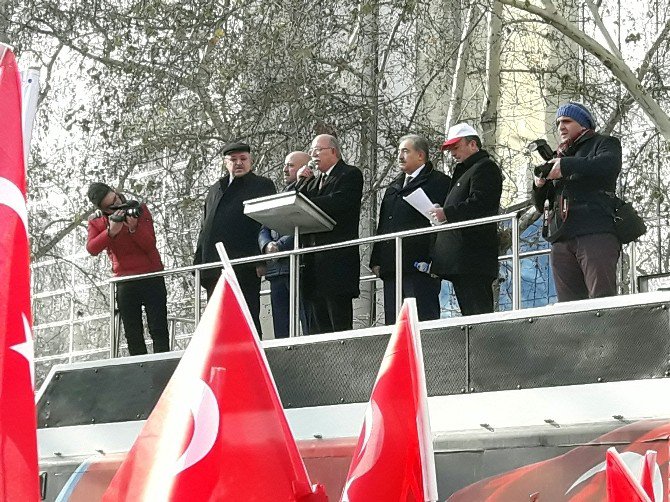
{"type": "Point", "coordinates": [573, 194]}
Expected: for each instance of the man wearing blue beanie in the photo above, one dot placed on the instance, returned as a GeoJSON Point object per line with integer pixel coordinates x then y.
{"type": "Point", "coordinates": [575, 198]}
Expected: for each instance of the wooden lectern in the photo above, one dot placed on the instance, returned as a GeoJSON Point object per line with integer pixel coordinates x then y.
{"type": "Point", "coordinates": [290, 213]}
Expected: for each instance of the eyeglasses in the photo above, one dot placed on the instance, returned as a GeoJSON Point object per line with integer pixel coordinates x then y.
{"type": "Point", "coordinates": [317, 149]}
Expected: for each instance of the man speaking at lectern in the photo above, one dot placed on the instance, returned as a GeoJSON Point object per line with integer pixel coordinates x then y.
{"type": "Point", "coordinates": [331, 277]}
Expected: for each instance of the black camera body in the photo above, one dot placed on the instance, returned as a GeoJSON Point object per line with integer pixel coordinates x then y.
{"type": "Point", "coordinates": [540, 146]}
{"type": "Point", "coordinates": [131, 209]}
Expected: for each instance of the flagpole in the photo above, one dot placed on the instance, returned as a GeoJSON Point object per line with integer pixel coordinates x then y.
{"type": "Point", "coordinates": [3, 50]}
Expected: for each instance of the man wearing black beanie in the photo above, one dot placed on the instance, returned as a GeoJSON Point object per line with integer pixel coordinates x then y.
{"type": "Point", "coordinates": [130, 241]}
{"type": "Point", "coordinates": [576, 201]}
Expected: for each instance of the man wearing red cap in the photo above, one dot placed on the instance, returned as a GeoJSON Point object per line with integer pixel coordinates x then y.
{"type": "Point", "coordinates": [575, 198]}
{"type": "Point", "coordinates": [468, 257]}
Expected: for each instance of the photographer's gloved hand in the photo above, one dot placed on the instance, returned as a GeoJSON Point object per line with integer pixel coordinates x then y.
{"type": "Point", "coordinates": [555, 172]}
{"type": "Point", "coordinates": [131, 222]}
{"type": "Point", "coordinates": [115, 226]}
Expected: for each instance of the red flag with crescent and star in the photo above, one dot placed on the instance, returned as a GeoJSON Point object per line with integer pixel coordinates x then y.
{"type": "Point", "coordinates": [394, 460]}
{"type": "Point", "coordinates": [18, 436]}
{"type": "Point", "coordinates": [580, 474]}
{"type": "Point", "coordinates": [218, 431]}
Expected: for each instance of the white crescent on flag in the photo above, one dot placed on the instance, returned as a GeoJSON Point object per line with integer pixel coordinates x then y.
{"type": "Point", "coordinates": [12, 197]}
{"type": "Point", "coordinates": [205, 410]}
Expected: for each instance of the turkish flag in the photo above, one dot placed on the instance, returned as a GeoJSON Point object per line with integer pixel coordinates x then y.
{"type": "Point", "coordinates": [648, 473]}
{"type": "Point", "coordinates": [18, 436]}
{"type": "Point", "coordinates": [393, 460]}
{"type": "Point", "coordinates": [621, 483]}
{"type": "Point", "coordinates": [218, 431]}
{"type": "Point", "coordinates": [579, 475]}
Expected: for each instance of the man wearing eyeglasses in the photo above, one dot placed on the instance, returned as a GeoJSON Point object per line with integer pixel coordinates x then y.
{"type": "Point", "coordinates": [130, 241]}
{"type": "Point", "coordinates": [331, 278]}
{"type": "Point", "coordinates": [224, 221]}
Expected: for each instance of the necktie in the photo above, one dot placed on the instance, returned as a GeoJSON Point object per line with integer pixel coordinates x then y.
{"type": "Point", "coordinates": [322, 181]}
{"type": "Point", "coordinates": [408, 178]}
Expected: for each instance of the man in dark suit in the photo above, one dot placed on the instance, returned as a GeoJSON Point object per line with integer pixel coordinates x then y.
{"type": "Point", "coordinates": [469, 257]}
{"type": "Point", "coordinates": [270, 241]}
{"type": "Point", "coordinates": [331, 278]}
{"type": "Point", "coordinates": [396, 215]}
{"type": "Point", "coordinates": [224, 221]}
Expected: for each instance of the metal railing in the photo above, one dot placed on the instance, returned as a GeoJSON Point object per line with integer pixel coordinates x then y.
{"type": "Point", "coordinates": [516, 256]}
{"type": "Point", "coordinates": [397, 237]}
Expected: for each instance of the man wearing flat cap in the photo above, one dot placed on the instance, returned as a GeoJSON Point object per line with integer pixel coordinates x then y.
{"type": "Point", "coordinates": [468, 257]}
{"type": "Point", "coordinates": [130, 241]}
{"type": "Point", "coordinates": [224, 221]}
{"type": "Point", "coordinates": [576, 201]}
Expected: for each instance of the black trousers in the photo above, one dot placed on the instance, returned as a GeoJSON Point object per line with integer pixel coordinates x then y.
{"type": "Point", "coordinates": [279, 295]}
{"type": "Point", "coordinates": [250, 284]}
{"type": "Point", "coordinates": [423, 287]}
{"type": "Point", "coordinates": [150, 293]}
{"type": "Point", "coordinates": [474, 293]}
{"type": "Point", "coordinates": [329, 314]}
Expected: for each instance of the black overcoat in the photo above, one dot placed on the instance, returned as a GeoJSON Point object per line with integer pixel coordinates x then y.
{"type": "Point", "coordinates": [396, 215]}
{"type": "Point", "coordinates": [476, 187]}
{"type": "Point", "coordinates": [224, 219]}
{"type": "Point", "coordinates": [590, 170]}
{"type": "Point", "coordinates": [336, 272]}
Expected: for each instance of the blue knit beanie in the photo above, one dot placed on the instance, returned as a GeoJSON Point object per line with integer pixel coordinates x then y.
{"type": "Point", "coordinates": [577, 112]}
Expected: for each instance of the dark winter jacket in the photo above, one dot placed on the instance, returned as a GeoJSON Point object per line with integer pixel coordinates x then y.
{"type": "Point", "coordinates": [476, 187]}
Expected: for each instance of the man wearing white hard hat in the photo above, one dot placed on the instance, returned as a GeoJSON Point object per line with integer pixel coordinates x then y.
{"type": "Point", "coordinates": [468, 257]}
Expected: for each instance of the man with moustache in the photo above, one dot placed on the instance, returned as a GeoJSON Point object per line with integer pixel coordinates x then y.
{"type": "Point", "coordinates": [277, 272]}
{"type": "Point", "coordinates": [468, 257]}
{"type": "Point", "coordinates": [224, 221]}
{"type": "Point", "coordinates": [577, 207]}
{"type": "Point", "coordinates": [331, 278]}
{"type": "Point", "coordinates": [396, 215]}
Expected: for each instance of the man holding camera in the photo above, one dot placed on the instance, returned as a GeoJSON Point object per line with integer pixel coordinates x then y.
{"type": "Point", "coordinates": [126, 230]}
{"type": "Point", "coordinates": [575, 200]}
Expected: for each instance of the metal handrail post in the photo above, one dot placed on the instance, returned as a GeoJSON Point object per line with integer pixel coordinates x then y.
{"type": "Point", "coordinates": [633, 271]}
{"type": "Point", "coordinates": [113, 335]}
{"type": "Point", "coordinates": [294, 288]}
{"type": "Point", "coordinates": [197, 304]}
{"type": "Point", "coordinates": [516, 264]}
{"type": "Point", "coordinates": [398, 275]}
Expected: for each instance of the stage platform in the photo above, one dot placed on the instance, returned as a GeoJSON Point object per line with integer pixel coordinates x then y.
{"type": "Point", "coordinates": [503, 388]}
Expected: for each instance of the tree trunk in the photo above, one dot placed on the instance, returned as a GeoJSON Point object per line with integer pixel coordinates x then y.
{"type": "Point", "coordinates": [615, 64]}
{"type": "Point", "coordinates": [489, 119]}
{"type": "Point", "coordinates": [458, 82]}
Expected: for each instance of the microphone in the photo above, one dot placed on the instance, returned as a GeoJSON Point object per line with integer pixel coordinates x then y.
{"type": "Point", "coordinates": [312, 164]}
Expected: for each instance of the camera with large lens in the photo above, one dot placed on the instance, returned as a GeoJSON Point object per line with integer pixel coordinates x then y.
{"type": "Point", "coordinates": [540, 146]}
{"type": "Point", "coordinates": [131, 209]}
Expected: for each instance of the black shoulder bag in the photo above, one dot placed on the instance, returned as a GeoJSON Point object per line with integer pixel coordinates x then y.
{"type": "Point", "coordinates": [628, 224]}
